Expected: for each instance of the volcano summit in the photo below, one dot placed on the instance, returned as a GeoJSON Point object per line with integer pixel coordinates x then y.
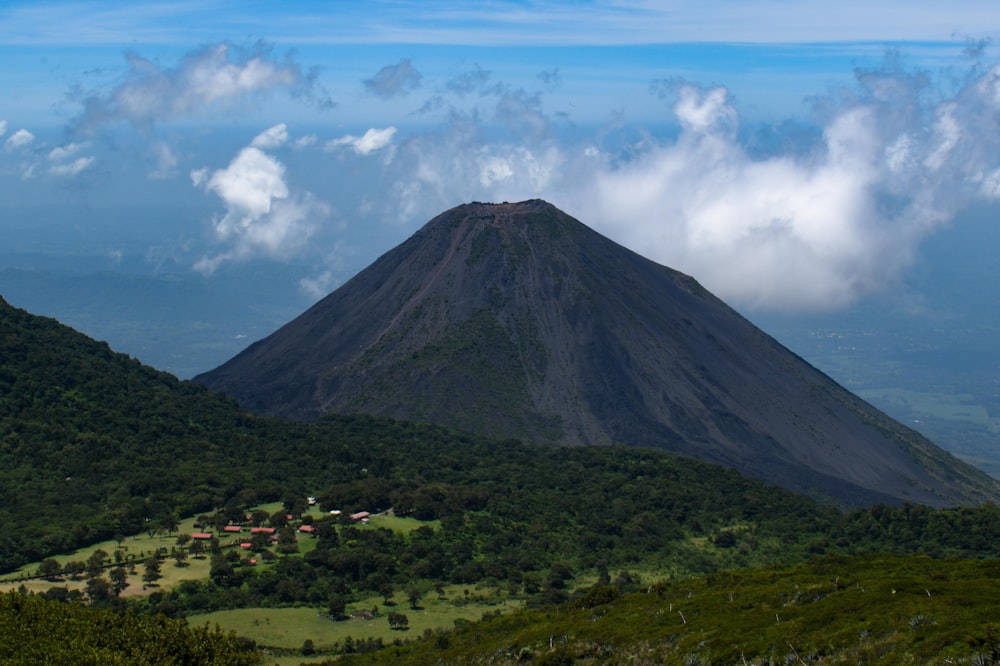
{"type": "Point", "coordinates": [518, 321]}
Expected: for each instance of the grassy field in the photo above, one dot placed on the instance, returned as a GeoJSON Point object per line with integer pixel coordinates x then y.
{"type": "Point", "coordinates": [285, 629]}
{"type": "Point", "coordinates": [135, 548]}
{"type": "Point", "coordinates": [139, 547]}
{"type": "Point", "coordinates": [289, 628]}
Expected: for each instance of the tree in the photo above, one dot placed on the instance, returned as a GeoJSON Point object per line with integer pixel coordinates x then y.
{"type": "Point", "coordinates": [279, 519]}
{"type": "Point", "coordinates": [151, 571]}
{"type": "Point", "coordinates": [119, 580]}
{"type": "Point", "coordinates": [49, 568]}
{"type": "Point", "coordinates": [326, 532]}
{"type": "Point", "coordinates": [308, 648]}
{"type": "Point", "coordinates": [414, 594]}
{"type": "Point", "coordinates": [398, 621]}
{"type": "Point", "coordinates": [74, 568]}
{"type": "Point", "coordinates": [222, 572]}
{"type": "Point", "coordinates": [197, 550]}
{"type": "Point", "coordinates": [170, 522]}
{"type": "Point", "coordinates": [98, 589]}
{"type": "Point", "coordinates": [259, 542]}
{"type": "Point", "coordinates": [180, 556]}
{"type": "Point", "coordinates": [337, 607]}
{"type": "Point", "coordinates": [287, 541]}
{"type": "Point", "coordinates": [95, 563]}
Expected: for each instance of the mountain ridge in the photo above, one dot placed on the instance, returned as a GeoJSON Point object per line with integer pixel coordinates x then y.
{"type": "Point", "coordinates": [517, 320]}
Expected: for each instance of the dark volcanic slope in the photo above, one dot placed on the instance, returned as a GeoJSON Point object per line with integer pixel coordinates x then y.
{"type": "Point", "coordinates": [517, 320]}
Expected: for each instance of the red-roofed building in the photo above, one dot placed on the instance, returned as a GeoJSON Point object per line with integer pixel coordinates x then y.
{"type": "Point", "coordinates": [360, 515]}
{"type": "Point", "coordinates": [308, 529]}
{"type": "Point", "coordinates": [202, 536]}
{"type": "Point", "coordinates": [232, 528]}
{"type": "Point", "coordinates": [262, 530]}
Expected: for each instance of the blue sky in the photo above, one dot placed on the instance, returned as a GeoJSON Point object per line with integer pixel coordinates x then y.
{"type": "Point", "coordinates": [793, 156]}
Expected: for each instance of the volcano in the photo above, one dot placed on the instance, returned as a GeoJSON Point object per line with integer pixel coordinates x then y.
{"type": "Point", "coordinates": [515, 320]}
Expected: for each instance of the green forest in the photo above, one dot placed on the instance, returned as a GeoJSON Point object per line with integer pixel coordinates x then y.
{"type": "Point", "coordinates": [95, 447]}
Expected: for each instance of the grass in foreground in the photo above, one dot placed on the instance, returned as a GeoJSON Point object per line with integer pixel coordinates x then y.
{"type": "Point", "coordinates": [834, 610]}
{"type": "Point", "coordinates": [289, 628]}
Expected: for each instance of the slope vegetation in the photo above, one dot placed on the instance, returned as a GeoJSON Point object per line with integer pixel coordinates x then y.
{"type": "Point", "coordinates": [834, 610]}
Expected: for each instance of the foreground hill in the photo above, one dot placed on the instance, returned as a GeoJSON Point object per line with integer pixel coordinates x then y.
{"type": "Point", "coordinates": [516, 320]}
{"type": "Point", "coordinates": [833, 610]}
{"type": "Point", "coordinates": [93, 444]}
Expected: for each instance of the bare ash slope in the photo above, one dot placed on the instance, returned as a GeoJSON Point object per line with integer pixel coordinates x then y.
{"type": "Point", "coordinates": [516, 320]}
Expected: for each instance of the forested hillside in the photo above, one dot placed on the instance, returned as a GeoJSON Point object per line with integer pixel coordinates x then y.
{"type": "Point", "coordinates": [94, 445]}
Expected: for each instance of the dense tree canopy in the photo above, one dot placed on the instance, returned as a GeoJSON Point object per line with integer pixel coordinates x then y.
{"type": "Point", "coordinates": [34, 630]}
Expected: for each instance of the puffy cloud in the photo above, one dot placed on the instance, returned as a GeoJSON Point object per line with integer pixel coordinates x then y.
{"type": "Point", "coordinates": [810, 229]}
{"type": "Point", "coordinates": [786, 225]}
{"type": "Point", "coordinates": [271, 138]}
{"type": "Point", "coordinates": [263, 216]}
{"type": "Point", "coordinates": [394, 80]}
{"type": "Point", "coordinates": [217, 76]}
{"type": "Point", "coordinates": [20, 138]}
{"type": "Point", "coordinates": [369, 142]}
{"type": "Point", "coordinates": [250, 183]}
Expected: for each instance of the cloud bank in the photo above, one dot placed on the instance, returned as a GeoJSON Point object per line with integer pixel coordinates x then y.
{"type": "Point", "coordinates": [785, 217]}
{"type": "Point", "coordinates": [766, 225]}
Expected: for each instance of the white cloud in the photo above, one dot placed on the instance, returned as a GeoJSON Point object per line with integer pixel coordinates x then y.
{"type": "Point", "coordinates": [72, 168]}
{"type": "Point", "coordinates": [66, 151]}
{"type": "Point", "coordinates": [263, 217]}
{"type": "Point", "coordinates": [220, 76]}
{"type": "Point", "coordinates": [250, 183]}
{"type": "Point", "coordinates": [271, 138]}
{"type": "Point", "coordinates": [20, 138]}
{"type": "Point", "coordinates": [369, 142]}
{"type": "Point", "coordinates": [792, 226]}
{"type": "Point", "coordinates": [3, 127]}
